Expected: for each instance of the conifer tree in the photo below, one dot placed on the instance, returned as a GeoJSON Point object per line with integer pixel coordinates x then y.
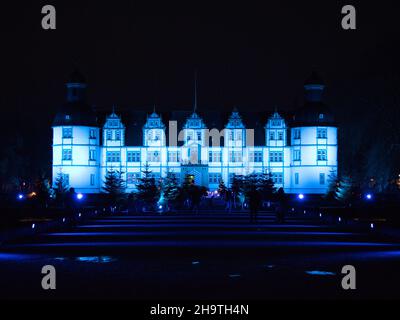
{"type": "Point", "coordinates": [343, 192]}
{"type": "Point", "coordinates": [147, 189]}
{"type": "Point", "coordinates": [114, 186]}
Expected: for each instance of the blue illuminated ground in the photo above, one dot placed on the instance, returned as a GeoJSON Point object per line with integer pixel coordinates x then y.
{"type": "Point", "coordinates": [204, 256]}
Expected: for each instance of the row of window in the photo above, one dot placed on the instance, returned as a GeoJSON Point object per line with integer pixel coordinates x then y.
{"type": "Point", "coordinates": [321, 155]}
{"type": "Point", "coordinates": [67, 133]}
{"type": "Point", "coordinates": [277, 136]}
{"type": "Point", "coordinates": [322, 133]}
{"type": "Point", "coordinates": [213, 156]}
{"type": "Point", "coordinates": [155, 135]}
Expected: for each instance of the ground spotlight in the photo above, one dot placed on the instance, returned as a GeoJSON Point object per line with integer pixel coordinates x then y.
{"type": "Point", "coordinates": [33, 226]}
{"type": "Point", "coordinates": [300, 196]}
{"type": "Point", "coordinates": [368, 196]}
{"type": "Point", "coordinates": [340, 219]}
{"type": "Point", "coordinates": [79, 196]}
{"type": "Point", "coordinates": [372, 226]}
{"type": "Point", "coordinates": [20, 196]}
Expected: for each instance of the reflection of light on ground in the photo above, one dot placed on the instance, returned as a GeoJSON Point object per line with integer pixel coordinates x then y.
{"type": "Point", "coordinates": [96, 259]}
{"type": "Point", "coordinates": [320, 273]}
{"type": "Point", "coordinates": [15, 256]}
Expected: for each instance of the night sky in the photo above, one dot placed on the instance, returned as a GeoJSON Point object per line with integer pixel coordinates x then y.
{"type": "Point", "coordinates": [253, 57]}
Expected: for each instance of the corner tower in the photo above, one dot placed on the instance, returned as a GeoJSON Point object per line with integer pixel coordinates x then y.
{"type": "Point", "coordinates": [76, 140]}
{"type": "Point", "coordinates": [313, 141]}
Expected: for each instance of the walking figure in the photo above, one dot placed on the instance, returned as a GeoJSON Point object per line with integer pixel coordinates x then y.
{"type": "Point", "coordinates": [254, 203]}
{"type": "Point", "coordinates": [282, 206]}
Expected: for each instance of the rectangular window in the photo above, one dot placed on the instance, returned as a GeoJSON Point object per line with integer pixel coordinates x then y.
{"type": "Point", "coordinates": [173, 156]}
{"type": "Point", "coordinates": [231, 135]}
{"type": "Point", "coordinates": [321, 155]}
{"type": "Point", "coordinates": [113, 156]}
{"type": "Point", "coordinates": [67, 133]}
{"type": "Point", "coordinates": [92, 134]}
{"type": "Point", "coordinates": [92, 155]}
{"type": "Point", "coordinates": [133, 156]}
{"type": "Point", "coordinates": [296, 134]}
{"type": "Point", "coordinates": [132, 177]}
{"type": "Point", "coordinates": [92, 177]}
{"type": "Point", "coordinates": [255, 156]}
{"type": "Point", "coordinates": [109, 135]}
{"type": "Point", "coordinates": [238, 135]}
{"type": "Point", "coordinates": [214, 177]}
{"type": "Point", "coordinates": [214, 156]}
{"type": "Point", "coordinates": [277, 177]}
{"type": "Point", "coordinates": [153, 156]}
{"type": "Point", "coordinates": [235, 156]}
{"type": "Point", "coordinates": [296, 178]}
{"type": "Point", "coordinates": [321, 133]}
{"type": "Point", "coordinates": [276, 156]}
{"type": "Point", "coordinates": [258, 156]}
{"type": "Point", "coordinates": [272, 135]}
{"type": "Point", "coordinates": [280, 135]}
{"type": "Point", "coordinates": [118, 135]}
{"type": "Point", "coordinates": [67, 154]}
{"type": "Point", "coordinates": [296, 155]}
{"type": "Point", "coordinates": [198, 136]}
{"type": "Point", "coordinates": [322, 178]}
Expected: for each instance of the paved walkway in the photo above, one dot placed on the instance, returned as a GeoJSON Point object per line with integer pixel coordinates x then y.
{"type": "Point", "coordinates": [201, 256]}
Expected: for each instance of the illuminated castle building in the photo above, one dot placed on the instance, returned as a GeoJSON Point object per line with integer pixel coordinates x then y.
{"type": "Point", "coordinates": [300, 151]}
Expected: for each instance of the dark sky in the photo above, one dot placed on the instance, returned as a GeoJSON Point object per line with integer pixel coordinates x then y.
{"type": "Point", "coordinates": [250, 56]}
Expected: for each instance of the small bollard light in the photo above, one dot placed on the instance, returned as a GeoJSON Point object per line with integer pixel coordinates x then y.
{"type": "Point", "coordinates": [320, 215]}
{"type": "Point", "coordinates": [340, 219]}
{"type": "Point", "coordinates": [305, 212]}
{"type": "Point", "coordinates": [33, 226]}
{"type": "Point", "coordinates": [372, 226]}
{"type": "Point", "coordinates": [80, 215]}
{"type": "Point", "coordinates": [63, 219]}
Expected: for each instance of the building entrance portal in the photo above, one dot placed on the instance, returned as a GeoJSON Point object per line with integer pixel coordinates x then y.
{"type": "Point", "coordinates": [199, 174]}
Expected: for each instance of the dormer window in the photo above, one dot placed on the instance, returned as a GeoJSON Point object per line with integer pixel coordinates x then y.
{"type": "Point", "coordinates": [67, 117]}
{"type": "Point", "coordinates": [109, 135]}
{"type": "Point", "coordinates": [321, 116]}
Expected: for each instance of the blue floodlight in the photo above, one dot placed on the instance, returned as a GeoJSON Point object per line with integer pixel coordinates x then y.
{"type": "Point", "coordinates": [372, 226]}
{"type": "Point", "coordinates": [79, 196]}
{"type": "Point", "coordinates": [340, 219]}
{"type": "Point", "coordinates": [160, 206]}
{"type": "Point", "coordinates": [301, 196]}
{"type": "Point", "coordinates": [20, 196]}
{"type": "Point", "coordinates": [368, 196]}
{"type": "Point", "coordinates": [33, 226]}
